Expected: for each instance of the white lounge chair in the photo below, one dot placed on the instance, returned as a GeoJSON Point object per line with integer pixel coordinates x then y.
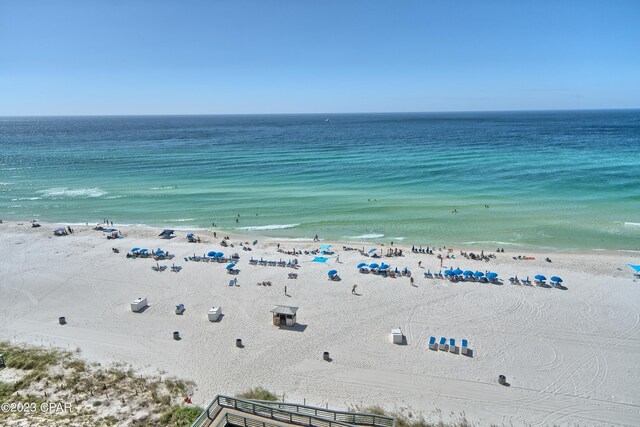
{"type": "Point", "coordinates": [432, 344]}
{"type": "Point", "coordinates": [442, 345]}
{"type": "Point", "coordinates": [464, 349]}
{"type": "Point", "coordinates": [452, 346]}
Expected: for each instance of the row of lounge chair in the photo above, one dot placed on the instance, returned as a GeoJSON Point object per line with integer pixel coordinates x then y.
{"type": "Point", "coordinates": [293, 275]}
{"type": "Point", "coordinates": [385, 272]}
{"type": "Point", "coordinates": [450, 346]}
{"type": "Point", "coordinates": [204, 258]}
{"type": "Point", "coordinates": [160, 268]}
{"type": "Point", "coordinates": [291, 263]}
{"type": "Point", "coordinates": [421, 250]}
{"type": "Point", "coordinates": [461, 277]}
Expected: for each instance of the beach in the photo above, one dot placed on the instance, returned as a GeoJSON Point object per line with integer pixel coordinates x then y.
{"type": "Point", "coordinates": [570, 355]}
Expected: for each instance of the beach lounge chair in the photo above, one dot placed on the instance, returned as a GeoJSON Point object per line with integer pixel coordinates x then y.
{"type": "Point", "coordinates": [432, 344]}
{"type": "Point", "coordinates": [442, 345]}
{"type": "Point", "coordinates": [453, 348]}
{"type": "Point", "coordinates": [464, 349]}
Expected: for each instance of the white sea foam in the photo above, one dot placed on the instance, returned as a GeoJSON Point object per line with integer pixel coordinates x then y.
{"type": "Point", "coordinates": [72, 192]}
{"type": "Point", "coordinates": [399, 238]}
{"type": "Point", "coordinates": [632, 224]}
{"type": "Point", "coordinates": [181, 220]}
{"type": "Point", "coordinates": [292, 239]}
{"type": "Point", "coordinates": [268, 227]}
{"type": "Point", "coordinates": [366, 236]}
{"type": "Point", "coordinates": [26, 198]}
{"type": "Point", "coordinates": [493, 242]}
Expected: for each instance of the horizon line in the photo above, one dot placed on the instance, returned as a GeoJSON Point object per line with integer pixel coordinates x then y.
{"type": "Point", "coordinates": [322, 113]}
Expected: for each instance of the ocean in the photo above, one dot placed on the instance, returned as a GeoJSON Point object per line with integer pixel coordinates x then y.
{"type": "Point", "coordinates": [555, 180]}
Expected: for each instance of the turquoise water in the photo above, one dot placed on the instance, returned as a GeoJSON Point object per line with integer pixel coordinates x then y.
{"type": "Point", "coordinates": [565, 180]}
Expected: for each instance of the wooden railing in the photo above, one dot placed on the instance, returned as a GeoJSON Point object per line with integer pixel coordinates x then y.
{"type": "Point", "coordinates": [301, 415]}
{"type": "Point", "coordinates": [356, 418]}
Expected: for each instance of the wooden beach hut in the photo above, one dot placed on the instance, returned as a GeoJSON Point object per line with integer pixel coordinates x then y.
{"type": "Point", "coordinates": [284, 315]}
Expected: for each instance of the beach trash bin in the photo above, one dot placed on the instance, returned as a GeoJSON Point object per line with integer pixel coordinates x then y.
{"type": "Point", "coordinates": [214, 314]}
{"type": "Point", "coordinates": [62, 320]}
{"type": "Point", "coordinates": [502, 380]}
{"type": "Point", "coordinates": [325, 356]}
{"type": "Point", "coordinates": [176, 335]}
{"type": "Point", "coordinates": [138, 304]}
{"type": "Point", "coordinates": [238, 343]}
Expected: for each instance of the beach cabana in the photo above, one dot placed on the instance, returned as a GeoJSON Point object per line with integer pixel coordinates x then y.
{"type": "Point", "coordinates": [166, 234]}
{"type": "Point", "coordinates": [284, 315]}
{"type": "Point", "coordinates": [636, 269]}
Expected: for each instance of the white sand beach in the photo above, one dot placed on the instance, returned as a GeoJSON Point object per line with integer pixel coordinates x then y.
{"type": "Point", "coordinates": [571, 356]}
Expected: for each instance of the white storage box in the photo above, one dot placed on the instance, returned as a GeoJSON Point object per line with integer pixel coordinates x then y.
{"type": "Point", "coordinates": [138, 304]}
{"type": "Point", "coordinates": [396, 336]}
{"type": "Point", "coordinates": [214, 314]}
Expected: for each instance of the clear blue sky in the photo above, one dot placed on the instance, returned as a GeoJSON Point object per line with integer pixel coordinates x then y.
{"type": "Point", "coordinates": [215, 57]}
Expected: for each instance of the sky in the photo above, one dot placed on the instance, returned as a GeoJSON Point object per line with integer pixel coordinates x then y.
{"type": "Point", "coordinates": [249, 57]}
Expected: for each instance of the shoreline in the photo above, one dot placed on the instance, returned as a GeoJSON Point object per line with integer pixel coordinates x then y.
{"type": "Point", "coordinates": [404, 243]}
{"type": "Point", "coordinates": [558, 347]}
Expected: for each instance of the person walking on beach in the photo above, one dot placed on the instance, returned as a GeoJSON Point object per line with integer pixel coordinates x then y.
{"type": "Point", "coordinates": [285, 290]}
{"type": "Point", "coordinates": [353, 290]}
{"type": "Point", "coordinates": [411, 280]}
{"type": "Point", "coordinates": [419, 264]}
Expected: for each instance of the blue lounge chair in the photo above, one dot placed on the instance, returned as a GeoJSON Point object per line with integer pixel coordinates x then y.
{"type": "Point", "coordinates": [432, 343]}
{"type": "Point", "coordinates": [443, 344]}
{"type": "Point", "coordinates": [452, 345]}
{"type": "Point", "coordinates": [465, 349]}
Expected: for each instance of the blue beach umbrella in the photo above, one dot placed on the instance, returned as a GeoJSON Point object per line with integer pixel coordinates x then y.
{"type": "Point", "coordinates": [556, 279]}
{"type": "Point", "coordinates": [635, 267]}
{"type": "Point", "coordinates": [135, 249]}
{"type": "Point", "coordinates": [159, 252]}
{"type": "Point", "coordinates": [372, 250]}
{"type": "Point", "coordinates": [384, 266]}
{"type": "Point", "coordinates": [332, 272]}
{"type": "Point", "coordinates": [457, 272]}
{"type": "Point", "coordinates": [478, 274]}
{"type": "Point", "coordinates": [211, 253]}
{"type": "Point", "coordinates": [448, 272]}
{"type": "Point", "coordinates": [374, 265]}
{"type": "Point", "coordinates": [540, 277]}
{"type": "Point", "coordinates": [219, 254]}
{"type": "Point", "coordinates": [190, 235]}
{"type": "Point", "coordinates": [468, 273]}
{"type": "Point", "coordinates": [492, 275]}
{"type": "Point", "coordinates": [143, 250]}
{"type": "Point", "coordinates": [325, 247]}
{"type": "Point", "coordinates": [362, 264]}
{"type": "Point", "coordinates": [230, 266]}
